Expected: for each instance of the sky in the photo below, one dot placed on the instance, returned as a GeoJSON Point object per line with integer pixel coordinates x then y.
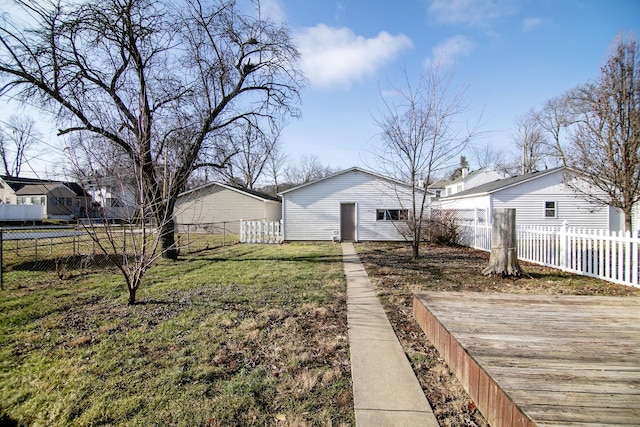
{"type": "Point", "coordinates": [513, 54]}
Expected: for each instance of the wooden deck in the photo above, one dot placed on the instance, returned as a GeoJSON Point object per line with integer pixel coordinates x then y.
{"type": "Point", "coordinates": [540, 360]}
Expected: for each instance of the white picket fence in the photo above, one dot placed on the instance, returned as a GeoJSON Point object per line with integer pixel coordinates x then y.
{"type": "Point", "coordinates": [596, 253]}
{"type": "Point", "coordinates": [260, 231]}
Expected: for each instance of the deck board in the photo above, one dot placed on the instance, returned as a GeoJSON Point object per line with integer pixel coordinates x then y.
{"type": "Point", "coordinates": [540, 359]}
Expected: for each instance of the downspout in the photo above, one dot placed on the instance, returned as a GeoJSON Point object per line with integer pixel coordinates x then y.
{"type": "Point", "coordinates": [284, 222]}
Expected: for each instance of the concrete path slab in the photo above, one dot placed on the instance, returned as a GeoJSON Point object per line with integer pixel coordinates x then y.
{"type": "Point", "coordinates": [386, 391]}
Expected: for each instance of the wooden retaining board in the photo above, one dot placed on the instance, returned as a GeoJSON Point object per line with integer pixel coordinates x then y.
{"type": "Point", "coordinates": [541, 360]}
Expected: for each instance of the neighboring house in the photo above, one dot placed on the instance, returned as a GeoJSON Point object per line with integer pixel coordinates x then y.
{"type": "Point", "coordinates": [354, 204]}
{"type": "Point", "coordinates": [540, 198]}
{"type": "Point", "coordinates": [218, 205]}
{"type": "Point", "coordinates": [59, 200]}
{"type": "Point", "coordinates": [438, 187]}
{"type": "Point", "coordinates": [469, 180]}
{"type": "Point", "coordinates": [116, 200]}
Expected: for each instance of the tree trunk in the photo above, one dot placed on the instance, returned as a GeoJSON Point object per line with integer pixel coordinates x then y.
{"type": "Point", "coordinates": [504, 245]}
{"type": "Point", "coordinates": [416, 250]}
{"type": "Point", "coordinates": [417, 235]}
{"type": "Point", "coordinates": [628, 219]}
{"type": "Point", "coordinates": [132, 295]}
{"type": "Point", "coordinates": [168, 240]}
{"type": "Point", "coordinates": [133, 282]}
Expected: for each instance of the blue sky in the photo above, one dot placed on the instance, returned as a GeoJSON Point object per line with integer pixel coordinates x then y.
{"type": "Point", "coordinates": [514, 54]}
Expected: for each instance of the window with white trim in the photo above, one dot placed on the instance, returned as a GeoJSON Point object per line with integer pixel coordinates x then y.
{"type": "Point", "coordinates": [392, 214]}
{"type": "Point", "coordinates": [550, 210]}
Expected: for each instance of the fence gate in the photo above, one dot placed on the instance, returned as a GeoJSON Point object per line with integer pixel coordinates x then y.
{"type": "Point", "coordinates": [260, 231]}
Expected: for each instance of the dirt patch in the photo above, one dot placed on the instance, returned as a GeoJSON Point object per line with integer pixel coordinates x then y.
{"type": "Point", "coordinates": [395, 276]}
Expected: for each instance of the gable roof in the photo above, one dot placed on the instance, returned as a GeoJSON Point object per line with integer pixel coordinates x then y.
{"type": "Point", "coordinates": [439, 184]}
{"type": "Point", "coordinates": [463, 178]}
{"type": "Point", "coordinates": [18, 185]}
{"type": "Point", "coordinates": [78, 189]}
{"type": "Point", "coordinates": [247, 192]}
{"type": "Point", "coordinates": [39, 189]}
{"type": "Point", "coordinates": [501, 184]}
{"type": "Point", "coordinates": [352, 169]}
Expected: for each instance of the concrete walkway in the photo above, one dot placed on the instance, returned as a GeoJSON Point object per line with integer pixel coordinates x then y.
{"type": "Point", "coordinates": [385, 389]}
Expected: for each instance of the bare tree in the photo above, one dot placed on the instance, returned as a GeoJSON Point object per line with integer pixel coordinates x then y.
{"type": "Point", "coordinates": [531, 143]}
{"type": "Point", "coordinates": [555, 118]}
{"type": "Point", "coordinates": [274, 168]}
{"type": "Point", "coordinates": [16, 139]}
{"type": "Point", "coordinates": [308, 168]}
{"type": "Point", "coordinates": [255, 145]}
{"type": "Point", "coordinates": [421, 135]}
{"type": "Point", "coordinates": [164, 81]}
{"type": "Point", "coordinates": [604, 147]}
{"type": "Point", "coordinates": [486, 156]}
{"type": "Point", "coordinates": [123, 230]}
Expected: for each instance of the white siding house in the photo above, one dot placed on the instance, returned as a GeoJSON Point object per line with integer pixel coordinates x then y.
{"type": "Point", "coordinates": [354, 204]}
{"type": "Point", "coordinates": [58, 200]}
{"type": "Point", "coordinates": [469, 180]}
{"type": "Point", "coordinates": [540, 198]}
{"type": "Point", "coordinates": [223, 205]}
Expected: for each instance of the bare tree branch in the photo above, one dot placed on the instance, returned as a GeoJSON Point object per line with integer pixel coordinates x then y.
{"type": "Point", "coordinates": [604, 144]}
{"type": "Point", "coordinates": [160, 80]}
{"type": "Point", "coordinates": [421, 135]}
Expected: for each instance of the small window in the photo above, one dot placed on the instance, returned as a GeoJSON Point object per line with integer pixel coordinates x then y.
{"type": "Point", "coordinates": [392, 214]}
{"type": "Point", "coordinates": [550, 210]}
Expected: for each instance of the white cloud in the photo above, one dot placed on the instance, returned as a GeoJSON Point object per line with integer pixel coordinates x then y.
{"type": "Point", "coordinates": [530, 23]}
{"type": "Point", "coordinates": [337, 56]}
{"type": "Point", "coordinates": [478, 13]}
{"type": "Point", "coordinates": [273, 10]}
{"type": "Point", "coordinates": [445, 53]}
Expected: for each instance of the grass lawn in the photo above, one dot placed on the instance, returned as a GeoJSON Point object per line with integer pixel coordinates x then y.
{"type": "Point", "coordinates": [240, 335]}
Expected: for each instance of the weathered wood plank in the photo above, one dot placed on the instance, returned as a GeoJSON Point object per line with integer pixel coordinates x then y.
{"type": "Point", "coordinates": [574, 398]}
{"type": "Point", "coordinates": [540, 359]}
{"type": "Point", "coordinates": [582, 414]}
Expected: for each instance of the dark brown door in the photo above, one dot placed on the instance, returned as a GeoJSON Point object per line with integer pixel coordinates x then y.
{"type": "Point", "coordinates": [348, 221]}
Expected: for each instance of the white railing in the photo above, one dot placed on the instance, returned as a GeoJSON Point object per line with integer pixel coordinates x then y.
{"type": "Point", "coordinates": [597, 253]}
{"type": "Point", "coordinates": [260, 231]}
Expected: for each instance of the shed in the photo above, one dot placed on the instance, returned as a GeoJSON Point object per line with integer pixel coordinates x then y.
{"type": "Point", "coordinates": [540, 198]}
{"type": "Point", "coordinates": [222, 206]}
{"type": "Point", "coordinates": [353, 204]}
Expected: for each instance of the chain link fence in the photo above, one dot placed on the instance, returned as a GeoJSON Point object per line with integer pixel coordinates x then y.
{"type": "Point", "coordinates": [81, 246]}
